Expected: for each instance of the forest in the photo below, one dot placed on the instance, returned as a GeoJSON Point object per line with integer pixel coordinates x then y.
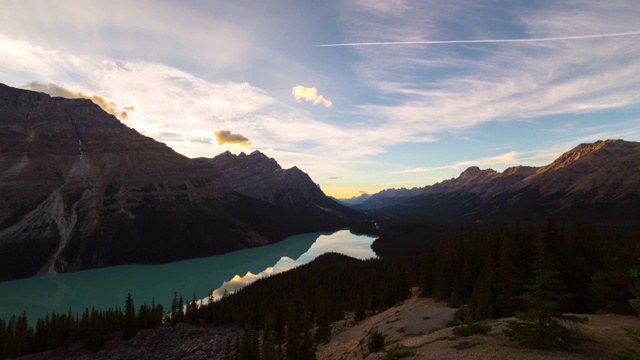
{"type": "Point", "coordinates": [485, 272]}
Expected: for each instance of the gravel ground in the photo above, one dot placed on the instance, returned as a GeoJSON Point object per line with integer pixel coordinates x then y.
{"type": "Point", "coordinates": [421, 324]}
{"type": "Point", "coordinates": [182, 341]}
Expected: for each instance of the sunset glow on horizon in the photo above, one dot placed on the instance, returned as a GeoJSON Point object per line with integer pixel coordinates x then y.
{"type": "Point", "coordinates": [363, 95]}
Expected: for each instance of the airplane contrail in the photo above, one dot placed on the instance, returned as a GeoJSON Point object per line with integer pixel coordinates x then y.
{"type": "Point", "coordinates": [436, 42]}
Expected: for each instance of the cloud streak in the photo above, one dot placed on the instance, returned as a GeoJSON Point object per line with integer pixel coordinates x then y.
{"type": "Point", "coordinates": [451, 88]}
{"type": "Point", "coordinates": [506, 159]}
{"type": "Point", "coordinates": [479, 41]}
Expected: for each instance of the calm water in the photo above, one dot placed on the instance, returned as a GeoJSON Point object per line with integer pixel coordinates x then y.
{"type": "Point", "coordinates": [108, 287]}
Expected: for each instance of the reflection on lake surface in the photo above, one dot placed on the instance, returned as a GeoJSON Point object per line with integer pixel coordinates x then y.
{"type": "Point", "coordinates": [344, 242]}
{"type": "Point", "coordinates": [108, 287]}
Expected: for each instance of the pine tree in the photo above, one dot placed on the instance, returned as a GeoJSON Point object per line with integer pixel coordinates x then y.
{"type": "Point", "coordinates": [539, 325]}
{"type": "Point", "coordinates": [129, 326]}
{"type": "Point", "coordinates": [174, 318]}
{"type": "Point", "coordinates": [268, 351]}
{"type": "Point", "coordinates": [426, 287]}
{"type": "Point", "coordinates": [307, 348]}
{"type": "Point", "coordinates": [323, 321]}
{"type": "Point", "coordinates": [96, 331]}
{"type": "Point", "coordinates": [294, 341]}
{"type": "Point", "coordinates": [628, 353]}
{"type": "Point", "coordinates": [509, 276]}
{"type": "Point", "coordinates": [247, 350]}
{"type": "Point", "coordinates": [358, 309]}
{"type": "Point", "coordinates": [192, 310]}
{"type": "Point", "coordinates": [376, 342]}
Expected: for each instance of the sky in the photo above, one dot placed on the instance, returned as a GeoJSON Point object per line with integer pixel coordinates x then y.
{"type": "Point", "coordinates": [417, 92]}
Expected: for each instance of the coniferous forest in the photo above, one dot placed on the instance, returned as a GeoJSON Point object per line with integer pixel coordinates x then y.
{"type": "Point", "coordinates": [487, 273]}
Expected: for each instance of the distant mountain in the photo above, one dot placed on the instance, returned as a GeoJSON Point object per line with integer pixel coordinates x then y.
{"type": "Point", "coordinates": [356, 200]}
{"type": "Point", "coordinates": [472, 180]}
{"type": "Point", "coordinates": [598, 182]}
{"type": "Point", "coordinates": [78, 189]}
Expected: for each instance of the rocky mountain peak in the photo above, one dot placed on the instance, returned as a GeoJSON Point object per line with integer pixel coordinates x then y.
{"type": "Point", "coordinates": [520, 170]}
{"type": "Point", "coordinates": [582, 151]}
{"type": "Point", "coordinates": [605, 168]}
{"type": "Point", "coordinates": [470, 172]}
{"type": "Point", "coordinates": [258, 154]}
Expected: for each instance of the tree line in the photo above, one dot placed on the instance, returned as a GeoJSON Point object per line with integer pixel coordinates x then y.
{"type": "Point", "coordinates": [489, 273]}
{"type": "Point", "coordinates": [18, 338]}
{"type": "Point", "coordinates": [488, 270]}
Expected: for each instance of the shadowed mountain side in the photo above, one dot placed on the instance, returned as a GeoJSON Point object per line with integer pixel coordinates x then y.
{"type": "Point", "coordinates": [79, 189]}
{"type": "Point", "coordinates": [260, 177]}
{"type": "Point", "coordinates": [595, 183]}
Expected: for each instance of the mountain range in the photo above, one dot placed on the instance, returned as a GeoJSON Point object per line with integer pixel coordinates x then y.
{"type": "Point", "coordinates": [78, 190]}
{"type": "Point", "coordinates": [595, 182]}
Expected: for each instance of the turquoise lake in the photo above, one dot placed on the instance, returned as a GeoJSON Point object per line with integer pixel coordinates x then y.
{"type": "Point", "coordinates": [108, 287]}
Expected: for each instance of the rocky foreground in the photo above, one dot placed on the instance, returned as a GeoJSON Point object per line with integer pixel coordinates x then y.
{"type": "Point", "coordinates": [422, 325]}
{"type": "Point", "coordinates": [182, 341]}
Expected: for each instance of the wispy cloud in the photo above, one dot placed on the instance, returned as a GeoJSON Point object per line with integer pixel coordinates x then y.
{"type": "Point", "coordinates": [382, 6]}
{"type": "Point", "coordinates": [180, 109]}
{"type": "Point", "coordinates": [507, 159]}
{"type": "Point", "coordinates": [300, 92]}
{"type": "Point", "coordinates": [559, 69]}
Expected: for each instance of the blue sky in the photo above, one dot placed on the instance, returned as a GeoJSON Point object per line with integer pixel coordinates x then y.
{"type": "Point", "coordinates": [210, 76]}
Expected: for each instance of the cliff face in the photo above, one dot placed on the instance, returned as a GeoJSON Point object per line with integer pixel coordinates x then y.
{"type": "Point", "coordinates": [74, 156]}
{"type": "Point", "coordinates": [79, 189]}
{"type": "Point", "coordinates": [260, 177]}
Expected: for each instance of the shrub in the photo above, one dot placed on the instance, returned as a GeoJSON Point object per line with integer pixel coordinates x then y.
{"type": "Point", "coordinates": [376, 342]}
{"type": "Point", "coordinates": [398, 352]}
{"type": "Point", "coordinates": [470, 329]}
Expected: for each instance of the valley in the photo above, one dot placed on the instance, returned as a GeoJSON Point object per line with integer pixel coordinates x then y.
{"type": "Point", "coordinates": [205, 276]}
{"type": "Point", "coordinates": [93, 212]}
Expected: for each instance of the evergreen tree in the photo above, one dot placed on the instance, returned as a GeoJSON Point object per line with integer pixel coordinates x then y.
{"type": "Point", "coordinates": [628, 353]}
{"type": "Point", "coordinates": [293, 338]}
{"type": "Point", "coordinates": [96, 331]}
{"type": "Point", "coordinates": [323, 320]}
{"type": "Point", "coordinates": [509, 275]}
{"type": "Point", "coordinates": [174, 318]}
{"type": "Point", "coordinates": [426, 287]}
{"type": "Point", "coordinates": [129, 326]}
{"type": "Point", "coordinates": [307, 348]}
{"type": "Point", "coordinates": [268, 351]}
{"type": "Point", "coordinates": [358, 309]}
{"type": "Point", "coordinates": [192, 310]}
{"type": "Point", "coordinates": [539, 324]}
{"type": "Point", "coordinates": [376, 342]}
{"type": "Point", "coordinates": [247, 350]}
